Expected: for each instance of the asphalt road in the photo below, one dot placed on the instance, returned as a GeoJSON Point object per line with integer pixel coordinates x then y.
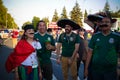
{"type": "Point", "coordinates": [58, 71]}
{"type": "Point", "coordinates": [5, 51]}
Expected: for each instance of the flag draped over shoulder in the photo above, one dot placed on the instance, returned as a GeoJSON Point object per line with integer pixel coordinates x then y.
{"type": "Point", "coordinates": [21, 52]}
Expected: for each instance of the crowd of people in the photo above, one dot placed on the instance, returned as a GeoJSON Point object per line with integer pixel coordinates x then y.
{"type": "Point", "coordinates": [30, 59]}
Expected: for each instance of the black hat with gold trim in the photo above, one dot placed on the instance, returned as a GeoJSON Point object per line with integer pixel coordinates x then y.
{"type": "Point", "coordinates": [62, 22]}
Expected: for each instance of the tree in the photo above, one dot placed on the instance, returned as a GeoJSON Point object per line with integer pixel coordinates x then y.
{"type": "Point", "coordinates": [55, 16]}
{"type": "Point", "coordinates": [114, 14]}
{"type": "Point", "coordinates": [85, 14]}
{"type": "Point", "coordinates": [64, 13]}
{"type": "Point", "coordinates": [76, 14]}
{"type": "Point", "coordinates": [6, 20]}
{"type": "Point", "coordinates": [3, 13]}
{"type": "Point", "coordinates": [28, 22]}
{"type": "Point", "coordinates": [46, 19]}
{"type": "Point", "coordinates": [106, 7]}
{"type": "Point", "coordinates": [10, 22]}
{"type": "Point", "coordinates": [35, 21]}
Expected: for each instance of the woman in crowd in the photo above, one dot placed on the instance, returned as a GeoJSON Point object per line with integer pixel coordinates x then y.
{"type": "Point", "coordinates": [24, 60]}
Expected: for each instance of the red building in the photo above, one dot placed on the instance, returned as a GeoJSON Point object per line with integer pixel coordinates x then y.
{"type": "Point", "coordinates": [54, 27]}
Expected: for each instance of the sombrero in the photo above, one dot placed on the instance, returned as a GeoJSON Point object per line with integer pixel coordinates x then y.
{"type": "Point", "coordinates": [99, 17]}
{"type": "Point", "coordinates": [94, 17]}
{"type": "Point", "coordinates": [62, 22]}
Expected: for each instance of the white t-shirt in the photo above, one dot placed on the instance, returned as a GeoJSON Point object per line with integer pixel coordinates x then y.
{"type": "Point", "coordinates": [31, 60]}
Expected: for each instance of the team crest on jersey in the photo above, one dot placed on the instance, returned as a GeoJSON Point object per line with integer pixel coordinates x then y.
{"type": "Point", "coordinates": [49, 39]}
{"type": "Point", "coordinates": [71, 38]}
{"type": "Point", "coordinates": [64, 38]}
{"type": "Point", "coordinates": [98, 39]}
{"type": "Point", "coordinates": [37, 39]}
{"type": "Point", "coordinates": [111, 40]}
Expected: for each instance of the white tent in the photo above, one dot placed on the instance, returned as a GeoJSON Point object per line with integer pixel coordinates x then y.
{"type": "Point", "coordinates": [87, 27]}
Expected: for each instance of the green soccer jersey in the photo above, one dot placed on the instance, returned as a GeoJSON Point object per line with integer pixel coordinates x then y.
{"type": "Point", "coordinates": [105, 49]}
{"type": "Point", "coordinates": [44, 55]}
{"type": "Point", "coordinates": [68, 43]}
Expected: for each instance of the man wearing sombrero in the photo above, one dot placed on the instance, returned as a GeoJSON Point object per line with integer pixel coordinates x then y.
{"type": "Point", "coordinates": [104, 47]}
{"type": "Point", "coordinates": [93, 20]}
{"type": "Point", "coordinates": [69, 42]}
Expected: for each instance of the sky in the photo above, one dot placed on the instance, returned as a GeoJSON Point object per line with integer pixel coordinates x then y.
{"type": "Point", "coordinates": [24, 10]}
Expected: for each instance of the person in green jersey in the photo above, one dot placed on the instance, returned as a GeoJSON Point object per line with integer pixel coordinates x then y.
{"type": "Point", "coordinates": [48, 45]}
{"type": "Point", "coordinates": [102, 53]}
{"type": "Point", "coordinates": [69, 42]}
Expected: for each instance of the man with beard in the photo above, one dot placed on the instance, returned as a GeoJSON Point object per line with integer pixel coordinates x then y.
{"type": "Point", "coordinates": [103, 50]}
{"type": "Point", "coordinates": [69, 42]}
{"type": "Point", "coordinates": [94, 21]}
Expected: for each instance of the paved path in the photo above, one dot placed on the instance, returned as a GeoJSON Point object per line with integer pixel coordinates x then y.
{"type": "Point", "coordinates": [58, 71]}
{"type": "Point", "coordinates": [4, 52]}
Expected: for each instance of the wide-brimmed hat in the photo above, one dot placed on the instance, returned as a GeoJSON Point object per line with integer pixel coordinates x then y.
{"type": "Point", "coordinates": [100, 16]}
{"type": "Point", "coordinates": [62, 22]}
{"type": "Point", "coordinates": [94, 17]}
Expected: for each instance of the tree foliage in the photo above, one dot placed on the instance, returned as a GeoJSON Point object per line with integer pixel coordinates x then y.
{"type": "Point", "coordinates": [3, 14]}
{"type": "Point", "coordinates": [46, 19]}
{"type": "Point", "coordinates": [10, 22]}
{"type": "Point", "coordinates": [55, 16]}
{"type": "Point", "coordinates": [114, 14]}
{"type": "Point", "coordinates": [76, 14]}
{"type": "Point", "coordinates": [106, 7]}
{"type": "Point", "coordinates": [6, 20]}
{"type": "Point", "coordinates": [35, 21]}
{"type": "Point", "coordinates": [64, 13]}
{"type": "Point", "coordinates": [85, 14]}
{"type": "Point", "coordinates": [28, 22]}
